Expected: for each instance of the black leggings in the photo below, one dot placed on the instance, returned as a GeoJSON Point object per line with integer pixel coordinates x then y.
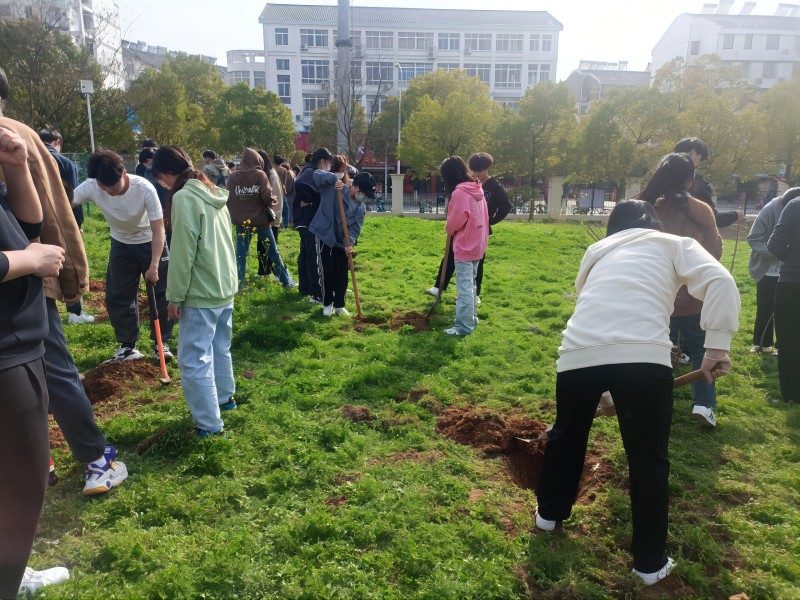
{"type": "Point", "coordinates": [763, 328]}
{"type": "Point", "coordinates": [335, 268]}
{"type": "Point", "coordinates": [787, 327]}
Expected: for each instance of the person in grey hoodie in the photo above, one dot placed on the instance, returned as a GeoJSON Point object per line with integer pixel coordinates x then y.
{"type": "Point", "coordinates": [763, 269]}
{"type": "Point", "coordinates": [215, 168]}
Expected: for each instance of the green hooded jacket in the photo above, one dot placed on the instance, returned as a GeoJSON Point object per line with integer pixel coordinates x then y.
{"type": "Point", "coordinates": [202, 269]}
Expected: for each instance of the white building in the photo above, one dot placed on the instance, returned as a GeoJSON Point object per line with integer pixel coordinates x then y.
{"type": "Point", "coordinates": [507, 50]}
{"type": "Point", "coordinates": [138, 56]}
{"type": "Point", "coordinates": [247, 66]}
{"type": "Point", "coordinates": [767, 48]}
{"type": "Point", "coordinates": [593, 80]}
{"type": "Point", "coordinates": [93, 23]}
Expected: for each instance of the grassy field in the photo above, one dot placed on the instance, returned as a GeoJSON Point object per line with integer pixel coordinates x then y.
{"type": "Point", "coordinates": [301, 502]}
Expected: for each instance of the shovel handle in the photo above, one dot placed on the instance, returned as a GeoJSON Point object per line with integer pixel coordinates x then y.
{"type": "Point", "coordinates": [692, 377]}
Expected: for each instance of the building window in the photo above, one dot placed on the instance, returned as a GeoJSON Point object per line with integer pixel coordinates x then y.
{"type": "Point", "coordinates": [727, 41]}
{"type": "Point", "coordinates": [482, 72]}
{"type": "Point", "coordinates": [355, 71]}
{"type": "Point", "coordinates": [745, 70]}
{"type": "Point", "coordinates": [355, 37]}
{"type": "Point", "coordinates": [694, 48]}
{"type": "Point", "coordinates": [535, 42]}
{"type": "Point", "coordinates": [478, 41]}
{"type": "Point", "coordinates": [282, 64]}
{"type": "Point", "coordinates": [547, 43]}
{"type": "Point", "coordinates": [235, 77]}
{"type": "Point", "coordinates": [315, 71]}
{"type": "Point", "coordinates": [449, 41]}
{"type": "Point", "coordinates": [544, 72]}
{"type": "Point", "coordinates": [410, 70]}
{"type": "Point", "coordinates": [509, 42]}
{"type": "Point", "coordinates": [312, 102]}
{"type": "Point", "coordinates": [773, 42]}
{"type": "Point", "coordinates": [770, 70]}
{"type": "Point", "coordinates": [380, 39]}
{"type": "Point", "coordinates": [533, 74]}
{"type": "Point", "coordinates": [281, 36]}
{"type": "Point", "coordinates": [748, 41]}
{"type": "Point", "coordinates": [285, 88]}
{"type": "Point", "coordinates": [379, 73]}
{"type": "Point", "coordinates": [260, 79]}
{"type": "Point", "coordinates": [507, 76]}
{"type": "Point", "coordinates": [448, 66]}
{"type": "Point", "coordinates": [413, 40]}
{"type": "Point", "coordinates": [374, 106]}
{"type": "Point", "coordinates": [512, 103]}
{"type": "Point", "coordinates": [314, 38]}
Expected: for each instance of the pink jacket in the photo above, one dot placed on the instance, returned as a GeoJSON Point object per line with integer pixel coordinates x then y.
{"type": "Point", "coordinates": [468, 221]}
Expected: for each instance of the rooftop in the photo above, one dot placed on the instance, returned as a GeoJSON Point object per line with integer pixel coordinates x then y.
{"type": "Point", "coordinates": [604, 77]}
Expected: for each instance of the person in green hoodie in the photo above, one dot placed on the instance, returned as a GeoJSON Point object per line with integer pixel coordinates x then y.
{"type": "Point", "coordinates": [201, 286]}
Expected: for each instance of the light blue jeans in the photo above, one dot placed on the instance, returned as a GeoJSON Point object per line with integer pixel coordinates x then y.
{"type": "Point", "coordinates": [693, 340]}
{"type": "Point", "coordinates": [466, 307]}
{"type": "Point", "coordinates": [204, 357]}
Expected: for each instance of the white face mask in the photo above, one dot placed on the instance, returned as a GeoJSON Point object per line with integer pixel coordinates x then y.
{"type": "Point", "coordinates": [325, 167]}
{"type": "Point", "coordinates": [339, 175]}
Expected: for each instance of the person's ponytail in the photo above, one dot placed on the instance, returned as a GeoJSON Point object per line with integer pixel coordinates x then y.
{"type": "Point", "coordinates": [173, 160]}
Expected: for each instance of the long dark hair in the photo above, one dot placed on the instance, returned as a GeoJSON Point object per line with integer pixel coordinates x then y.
{"type": "Point", "coordinates": [454, 171]}
{"type": "Point", "coordinates": [173, 160]}
{"type": "Point", "coordinates": [632, 214]}
{"type": "Point", "coordinates": [267, 162]}
{"type": "Point", "coordinates": [669, 180]}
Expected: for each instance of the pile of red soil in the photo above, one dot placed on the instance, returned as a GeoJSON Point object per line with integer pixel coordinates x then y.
{"type": "Point", "coordinates": [109, 380]}
{"type": "Point", "coordinates": [357, 414]}
{"type": "Point", "coordinates": [416, 319]}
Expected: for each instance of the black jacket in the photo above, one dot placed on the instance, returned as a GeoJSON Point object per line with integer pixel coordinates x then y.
{"type": "Point", "coordinates": [496, 201]}
{"type": "Point", "coordinates": [784, 242]}
{"type": "Point", "coordinates": [702, 191]}
{"type": "Point", "coordinates": [305, 190]}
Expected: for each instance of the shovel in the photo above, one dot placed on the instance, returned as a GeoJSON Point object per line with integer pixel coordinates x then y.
{"type": "Point", "coordinates": [165, 378]}
{"type": "Point", "coordinates": [442, 276]}
{"type": "Point", "coordinates": [349, 256]}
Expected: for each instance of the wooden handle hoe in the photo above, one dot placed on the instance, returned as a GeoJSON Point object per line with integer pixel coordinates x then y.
{"type": "Point", "coordinates": [165, 378]}
{"type": "Point", "coordinates": [442, 276]}
{"type": "Point", "coordinates": [349, 256]}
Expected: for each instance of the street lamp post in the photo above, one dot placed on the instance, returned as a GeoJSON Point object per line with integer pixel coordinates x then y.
{"type": "Point", "coordinates": [399, 113]}
{"type": "Point", "coordinates": [87, 87]}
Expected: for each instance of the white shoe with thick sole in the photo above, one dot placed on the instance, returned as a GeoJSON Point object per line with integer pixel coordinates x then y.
{"type": "Point", "coordinates": [434, 291]}
{"type": "Point", "coordinates": [80, 319]}
{"type": "Point", "coordinates": [327, 311]}
{"type": "Point", "coordinates": [101, 479]}
{"type": "Point", "coordinates": [341, 311]}
{"type": "Point", "coordinates": [35, 580]}
{"type": "Point", "coordinates": [654, 578]}
{"type": "Point", "coordinates": [125, 353]}
{"type": "Point", "coordinates": [544, 524]}
{"type": "Point", "coordinates": [704, 415]}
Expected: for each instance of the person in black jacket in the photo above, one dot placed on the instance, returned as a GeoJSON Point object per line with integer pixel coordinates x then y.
{"type": "Point", "coordinates": [499, 206]}
{"type": "Point", "coordinates": [784, 243]}
{"type": "Point", "coordinates": [698, 152]}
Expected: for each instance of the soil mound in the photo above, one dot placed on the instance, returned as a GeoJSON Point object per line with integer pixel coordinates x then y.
{"type": "Point", "coordinates": [416, 319]}
{"type": "Point", "coordinates": [108, 380]}
{"type": "Point", "coordinates": [357, 414]}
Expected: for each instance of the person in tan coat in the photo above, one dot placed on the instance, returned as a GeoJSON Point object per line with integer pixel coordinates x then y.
{"type": "Point", "coordinates": [682, 215]}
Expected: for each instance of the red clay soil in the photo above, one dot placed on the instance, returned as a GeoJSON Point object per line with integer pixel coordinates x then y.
{"type": "Point", "coordinates": [416, 319]}
{"type": "Point", "coordinates": [108, 381]}
{"type": "Point", "coordinates": [357, 414]}
{"type": "Point", "coordinates": [95, 302]}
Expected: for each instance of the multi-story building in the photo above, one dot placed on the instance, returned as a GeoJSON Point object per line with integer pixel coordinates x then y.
{"type": "Point", "coordinates": [765, 47]}
{"type": "Point", "coordinates": [91, 23]}
{"type": "Point", "coordinates": [594, 80]}
{"type": "Point", "coordinates": [508, 50]}
{"type": "Point", "coordinates": [247, 66]}
{"type": "Point", "coordinates": [138, 56]}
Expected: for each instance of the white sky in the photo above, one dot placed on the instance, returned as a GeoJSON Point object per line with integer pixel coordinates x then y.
{"type": "Point", "coordinates": [607, 30]}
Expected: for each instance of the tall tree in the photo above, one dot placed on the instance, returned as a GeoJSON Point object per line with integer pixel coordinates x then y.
{"type": "Point", "coordinates": [255, 119]}
{"type": "Point", "coordinates": [781, 118]}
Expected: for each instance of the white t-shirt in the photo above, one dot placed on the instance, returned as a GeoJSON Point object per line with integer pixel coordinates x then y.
{"type": "Point", "coordinates": [128, 215]}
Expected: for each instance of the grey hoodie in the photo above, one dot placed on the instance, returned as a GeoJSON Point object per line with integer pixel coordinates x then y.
{"type": "Point", "coordinates": [761, 259]}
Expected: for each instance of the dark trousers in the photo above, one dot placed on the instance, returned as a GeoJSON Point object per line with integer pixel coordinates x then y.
{"type": "Point", "coordinates": [642, 393]}
{"type": "Point", "coordinates": [451, 267]}
{"type": "Point", "coordinates": [269, 266]}
{"type": "Point", "coordinates": [68, 402]}
{"type": "Point", "coordinates": [24, 462]}
{"type": "Point", "coordinates": [763, 329]}
{"type": "Point", "coordinates": [307, 270]}
{"type": "Point", "coordinates": [127, 263]}
{"type": "Point", "coordinates": [787, 328]}
{"type": "Point", "coordinates": [335, 268]}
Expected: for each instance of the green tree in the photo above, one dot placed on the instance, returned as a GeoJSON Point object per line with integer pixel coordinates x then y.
{"type": "Point", "coordinates": [781, 120]}
{"type": "Point", "coordinates": [324, 130]}
{"type": "Point", "coordinates": [254, 119]}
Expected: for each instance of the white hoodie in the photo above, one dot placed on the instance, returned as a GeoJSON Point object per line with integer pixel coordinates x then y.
{"type": "Point", "coordinates": [626, 291]}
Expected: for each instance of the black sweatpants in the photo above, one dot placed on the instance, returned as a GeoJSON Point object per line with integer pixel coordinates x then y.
{"type": "Point", "coordinates": [642, 394]}
{"type": "Point", "coordinates": [24, 465]}
{"type": "Point", "coordinates": [335, 269]}
{"type": "Point", "coordinates": [127, 263]}
{"type": "Point", "coordinates": [451, 268]}
{"type": "Point", "coordinates": [307, 271]}
{"type": "Point", "coordinates": [68, 402]}
{"type": "Point", "coordinates": [763, 329]}
{"type": "Point", "coordinates": [787, 328]}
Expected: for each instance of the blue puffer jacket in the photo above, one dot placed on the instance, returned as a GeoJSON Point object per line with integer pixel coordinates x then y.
{"type": "Point", "coordinates": [327, 223]}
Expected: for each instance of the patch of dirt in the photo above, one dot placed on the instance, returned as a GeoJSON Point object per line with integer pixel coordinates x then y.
{"type": "Point", "coordinates": [57, 440]}
{"type": "Point", "coordinates": [413, 396]}
{"type": "Point", "coordinates": [287, 318]}
{"type": "Point", "coordinates": [671, 587]}
{"type": "Point", "coordinates": [151, 441]}
{"type": "Point", "coordinates": [357, 414]}
{"type": "Point", "coordinates": [416, 319]}
{"type": "Point", "coordinates": [336, 501]}
{"type": "Point", "coordinates": [95, 302]}
{"type": "Point", "coordinates": [108, 381]}
{"type": "Point", "coordinates": [475, 495]}
{"type": "Point", "coordinates": [248, 374]}
{"type": "Point", "coordinates": [413, 456]}
{"type": "Point", "coordinates": [344, 478]}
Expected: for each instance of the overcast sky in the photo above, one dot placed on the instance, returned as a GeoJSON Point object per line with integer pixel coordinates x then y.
{"type": "Point", "coordinates": [608, 30]}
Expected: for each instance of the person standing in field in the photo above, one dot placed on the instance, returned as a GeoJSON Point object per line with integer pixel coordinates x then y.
{"type": "Point", "coordinates": [215, 168]}
{"type": "Point", "coordinates": [201, 287]}
{"type": "Point", "coordinates": [287, 176]}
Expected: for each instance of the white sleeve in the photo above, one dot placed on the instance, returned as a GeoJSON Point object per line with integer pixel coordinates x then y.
{"type": "Point", "coordinates": [151, 203]}
{"type": "Point", "coordinates": [84, 192]}
{"type": "Point", "coordinates": [710, 282]}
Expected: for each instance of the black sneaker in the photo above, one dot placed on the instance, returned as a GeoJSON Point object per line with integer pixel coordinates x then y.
{"type": "Point", "coordinates": [229, 405]}
{"type": "Point", "coordinates": [168, 356]}
{"type": "Point", "coordinates": [125, 353]}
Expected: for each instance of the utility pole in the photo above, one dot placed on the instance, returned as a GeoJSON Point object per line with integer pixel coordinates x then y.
{"type": "Point", "coordinates": [343, 102]}
{"type": "Point", "coordinates": [87, 88]}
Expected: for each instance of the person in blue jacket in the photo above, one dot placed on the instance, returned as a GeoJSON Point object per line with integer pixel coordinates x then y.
{"type": "Point", "coordinates": [332, 249]}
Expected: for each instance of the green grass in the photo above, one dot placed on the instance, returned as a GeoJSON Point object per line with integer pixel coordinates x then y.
{"type": "Point", "coordinates": [247, 517]}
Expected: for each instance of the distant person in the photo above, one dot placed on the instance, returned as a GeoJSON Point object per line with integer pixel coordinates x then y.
{"type": "Point", "coordinates": [138, 248]}
{"type": "Point", "coordinates": [201, 288]}
{"type": "Point", "coordinates": [149, 143]}
{"type": "Point", "coordinates": [624, 348]}
{"type": "Point", "coordinates": [683, 215]}
{"type": "Point", "coordinates": [215, 168]}
{"type": "Point", "coordinates": [764, 269]}
{"type": "Point", "coordinates": [145, 160]}
{"type": "Point", "coordinates": [701, 189]}
{"type": "Point", "coordinates": [231, 166]}
{"type": "Point", "coordinates": [784, 243]}
{"type": "Point", "coordinates": [287, 176]}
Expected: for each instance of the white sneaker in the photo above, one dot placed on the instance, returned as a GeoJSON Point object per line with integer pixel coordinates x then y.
{"type": "Point", "coordinates": [168, 356]}
{"type": "Point", "coordinates": [544, 524]}
{"type": "Point", "coordinates": [341, 311]}
{"type": "Point", "coordinates": [755, 349]}
{"type": "Point", "coordinates": [101, 479]}
{"type": "Point", "coordinates": [477, 299]}
{"type": "Point", "coordinates": [704, 415]}
{"type": "Point", "coordinates": [80, 319]}
{"type": "Point", "coordinates": [452, 331]}
{"type": "Point", "coordinates": [654, 578]}
{"type": "Point", "coordinates": [34, 580]}
{"type": "Point", "coordinates": [434, 291]}
{"type": "Point", "coordinates": [766, 349]}
{"type": "Point", "coordinates": [312, 300]}
{"type": "Point", "coordinates": [327, 311]}
{"type": "Point", "coordinates": [125, 353]}
{"type": "Point", "coordinates": [775, 352]}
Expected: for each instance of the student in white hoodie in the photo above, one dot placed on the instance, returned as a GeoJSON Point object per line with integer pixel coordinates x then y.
{"type": "Point", "coordinates": [618, 340]}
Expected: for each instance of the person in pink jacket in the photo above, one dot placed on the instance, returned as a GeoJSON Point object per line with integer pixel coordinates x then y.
{"type": "Point", "coordinates": [468, 226]}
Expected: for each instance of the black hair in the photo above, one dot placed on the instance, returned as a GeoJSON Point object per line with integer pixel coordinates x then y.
{"type": "Point", "coordinates": [231, 165]}
{"type": "Point", "coordinates": [105, 166]}
{"type": "Point", "coordinates": [49, 136]}
{"type": "Point", "coordinates": [173, 160]}
{"type": "Point", "coordinates": [307, 158]}
{"type": "Point", "coordinates": [319, 155]}
{"type": "Point", "coordinates": [278, 160]}
{"type": "Point", "coordinates": [210, 154]}
{"type": "Point", "coordinates": [481, 161]}
{"type": "Point", "coordinates": [632, 214]}
{"type": "Point", "coordinates": [454, 171]}
{"type": "Point", "coordinates": [146, 154]}
{"type": "Point", "coordinates": [267, 160]}
{"type": "Point", "coordinates": [149, 143]}
{"type": "Point", "coordinates": [669, 180]}
{"type": "Point", "coordinates": [5, 88]}
{"type": "Point", "coordinates": [790, 194]}
{"type": "Point", "coordinates": [693, 143]}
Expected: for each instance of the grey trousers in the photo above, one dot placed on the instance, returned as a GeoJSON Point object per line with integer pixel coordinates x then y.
{"type": "Point", "coordinates": [127, 263]}
{"type": "Point", "coordinates": [68, 402]}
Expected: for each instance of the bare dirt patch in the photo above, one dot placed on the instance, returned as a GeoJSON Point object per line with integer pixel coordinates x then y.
{"type": "Point", "coordinates": [415, 319]}
{"type": "Point", "coordinates": [95, 302]}
{"type": "Point", "coordinates": [336, 501]}
{"type": "Point", "coordinates": [109, 381]}
{"type": "Point", "coordinates": [413, 396]}
{"type": "Point", "coordinates": [357, 414]}
{"type": "Point", "coordinates": [248, 374]}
